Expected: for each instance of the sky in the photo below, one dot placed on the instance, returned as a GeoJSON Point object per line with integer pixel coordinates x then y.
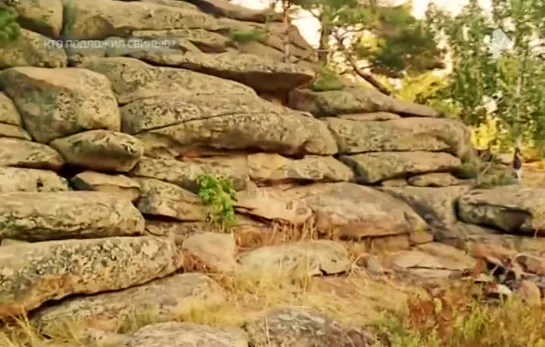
{"type": "Point", "coordinates": [310, 27]}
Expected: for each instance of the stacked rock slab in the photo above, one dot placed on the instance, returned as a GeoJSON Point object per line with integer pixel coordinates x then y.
{"type": "Point", "coordinates": [101, 148]}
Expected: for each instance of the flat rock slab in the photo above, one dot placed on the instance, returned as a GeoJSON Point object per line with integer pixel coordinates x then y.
{"type": "Point", "coordinates": [407, 134]}
{"type": "Point", "coordinates": [101, 18]}
{"type": "Point", "coordinates": [119, 185]}
{"type": "Point", "coordinates": [435, 205]}
{"type": "Point", "coordinates": [35, 273]}
{"type": "Point", "coordinates": [303, 328]}
{"type": "Point", "coordinates": [433, 180]}
{"type": "Point", "coordinates": [185, 173]}
{"type": "Point", "coordinates": [308, 258]}
{"type": "Point", "coordinates": [14, 131]}
{"type": "Point", "coordinates": [511, 209]}
{"type": "Point", "coordinates": [213, 249]}
{"type": "Point", "coordinates": [352, 211]}
{"type": "Point", "coordinates": [163, 199]}
{"type": "Point", "coordinates": [56, 103]}
{"type": "Point", "coordinates": [27, 154]}
{"type": "Point", "coordinates": [354, 100]}
{"type": "Point", "coordinates": [30, 180]}
{"type": "Point", "coordinates": [174, 334]}
{"type": "Point", "coordinates": [172, 124]}
{"type": "Point", "coordinates": [261, 73]}
{"type": "Point", "coordinates": [133, 79]}
{"type": "Point", "coordinates": [32, 49]}
{"type": "Point", "coordinates": [164, 299]}
{"type": "Point", "coordinates": [375, 167]}
{"type": "Point", "coordinates": [100, 150]}
{"type": "Point", "coordinates": [62, 215]}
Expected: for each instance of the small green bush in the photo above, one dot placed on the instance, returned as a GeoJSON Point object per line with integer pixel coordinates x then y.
{"type": "Point", "coordinates": [218, 193]}
{"type": "Point", "coordinates": [326, 80]}
{"type": "Point", "coordinates": [9, 28]}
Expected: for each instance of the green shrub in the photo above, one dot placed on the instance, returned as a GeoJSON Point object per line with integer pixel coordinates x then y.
{"type": "Point", "coordinates": [245, 36]}
{"type": "Point", "coordinates": [218, 194]}
{"type": "Point", "coordinates": [326, 80]}
{"type": "Point", "coordinates": [9, 28]}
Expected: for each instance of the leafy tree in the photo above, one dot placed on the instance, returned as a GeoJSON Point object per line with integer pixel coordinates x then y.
{"type": "Point", "coordinates": [504, 89]}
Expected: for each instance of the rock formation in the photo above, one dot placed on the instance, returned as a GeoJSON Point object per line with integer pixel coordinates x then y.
{"type": "Point", "coordinates": [101, 148]}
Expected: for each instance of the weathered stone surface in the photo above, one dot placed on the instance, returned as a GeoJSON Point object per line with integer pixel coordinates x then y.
{"type": "Point", "coordinates": [260, 73]}
{"type": "Point", "coordinates": [8, 111]}
{"type": "Point", "coordinates": [100, 150]}
{"type": "Point", "coordinates": [175, 334]}
{"type": "Point", "coordinates": [27, 154]}
{"type": "Point", "coordinates": [303, 328]}
{"type": "Point", "coordinates": [370, 117]}
{"type": "Point", "coordinates": [60, 102]}
{"type": "Point", "coordinates": [376, 167]}
{"type": "Point", "coordinates": [164, 299]}
{"type": "Point", "coordinates": [397, 182]}
{"type": "Point", "coordinates": [435, 205]}
{"type": "Point", "coordinates": [42, 16]}
{"type": "Point", "coordinates": [14, 131]}
{"type": "Point", "coordinates": [99, 19]}
{"type": "Point", "coordinates": [353, 211]}
{"type": "Point", "coordinates": [407, 134]}
{"type": "Point", "coordinates": [224, 8]}
{"type": "Point", "coordinates": [511, 209]}
{"type": "Point", "coordinates": [133, 79]}
{"type": "Point", "coordinates": [354, 100]}
{"type": "Point", "coordinates": [119, 185]}
{"type": "Point", "coordinates": [30, 180]}
{"type": "Point", "coordinates": [205, 41]}
{"type": "Point", "coordinates": [32, 49]}
{"type": "Point", "coordinates": [60, 215]}
{"type": "Point", "coordinates": [35, 273]}
{"type": "Point", "coordinates": [263, 203]}
{"type": "Point", "coordinates": [215, 250]}
{"type": "Point", "coordinates": [433, 180]}
{"type": "Point", "coordinates": [171, 125]}
{"type": "Point", "coordinates": [305, 258]}
{"type": "Point", "coordinates": [274, 168]}
{"type": "Point", "coordinates": [165, 199]}
{"type": "Point", "coordinates": [186, 173]}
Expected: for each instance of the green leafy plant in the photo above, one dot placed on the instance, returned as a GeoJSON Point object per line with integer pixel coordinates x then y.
{"type": "Point", "coordinates": [9, 28]}
{"type": "Point", "coordinates": [326, 79]}
{"type": "Point", "coordinates": [218, 193]}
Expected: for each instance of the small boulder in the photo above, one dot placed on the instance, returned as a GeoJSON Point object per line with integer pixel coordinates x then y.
{"type": "Point", "coordinates": [32, 49]}
{"type": "Point", "coordinates": [30, 180]}
{"type": "Point", "coordinates": [14, 131]}
{"type": "Point", "coordinates": [30, 155]}
{"type": "Point", "coordinates": [8, 111]}
{"type": "Point", "coordinates": [119, 185]}
{"type": "Point", "coordinates": [433, 180]}
{"type": "Point", "coordinates": [215, 250]}
{"type": "Point", "coordinates": [41, 16]}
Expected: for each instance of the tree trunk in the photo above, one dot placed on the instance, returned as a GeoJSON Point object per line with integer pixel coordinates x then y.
{"type": "Point", "coordinates": [286, 21]}
{"type": "Point", "coordinates": [323, 50]}
{"type": "Point", "coordinates": [368, 77]}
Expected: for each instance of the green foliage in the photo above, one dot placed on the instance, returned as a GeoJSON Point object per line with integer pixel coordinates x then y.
{"type": "Point", "coordinates": [9, 28]}
{"type": "Point", "coordinates": [245, 36]}
{"type": "Point", "coordinates": [326, 79]}
{"type": "Point", "coordinates": [512, 79]}
{"type": "Point", "coordinates": [218, 193]}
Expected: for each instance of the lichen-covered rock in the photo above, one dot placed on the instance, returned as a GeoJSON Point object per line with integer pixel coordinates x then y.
{"type": "Point", "coordinates": [407, 134]}
{"type": "Point", "coordinates": [186, 173]}
{"type": "Point", "coordinates": [354, 100]}
{"type": "Point", "coordinates": [380, 166]}
{"type": "Point", "coordinates": [215, 250]}
{"type": "Point", "coordinates": [35, 273]}
{"type": "Point", "coordinates": [164, 299]}
{"type": "Point", "coordinates": [27, 154]}
{"type": "Point", "coordinates": [175, 334]}
{"type": "Point", "coordinates": [300, 259]}
{"type": "Point", "coordinates": [225, 8]}
{"type": "Point", "coordinates": [163, 199]}
{"type": "Point", "coordinates": [370, 117]}
{"type": "Point", "coordinates": [433, 180]}
{"type": "Point", "coordinates": [55, 103]}
{"type": "Point", "coordinates": [511, 209]}
{"type": "Point", "coordinates": [14, 131]}
{"type": "Point", "coordinates": [119, 185]}
{"type": "Point", "coordinates": [260, 73]}
{"type": "Point", "coordinates": [303, 327]}
{"type": "Point", "coordinates": [206, 41]}
{"type": "Point", "coordinates": [274, 168]}
{"type": "Point", "coordinates": [100, 150]}
{"type": "Point", "coordinates": [99, 19]}
{"type": "Point", "coordinates": [353, 211]}
{"type": "Point", "coordinates": [435, 205]}
{"type": "Point", "coordinates": [61, 215]}
{"type": "Point", "coordinates": [32, 49]}
{"type": "Point", "coordinates": [133, 79]}
{"type": "Point", "coordinates": [42, 16]}
{"type": "Point", "coordinates": [171, 125]}
{"type": "Point", "coordinates": [8, 112]}
{"type": "Point", "coordinates": [30, 180]}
